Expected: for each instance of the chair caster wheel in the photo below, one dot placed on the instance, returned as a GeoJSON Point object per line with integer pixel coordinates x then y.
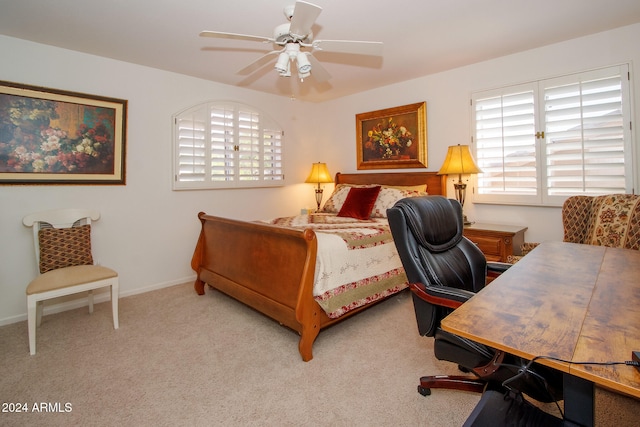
{"type": "Point", "coordinates": [424, 391]}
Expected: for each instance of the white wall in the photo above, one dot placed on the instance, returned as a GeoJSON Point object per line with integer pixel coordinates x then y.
{"type": "Point", "coordinates": [449, 116]}
{"type": "Point", "coordinates": [147, 231]}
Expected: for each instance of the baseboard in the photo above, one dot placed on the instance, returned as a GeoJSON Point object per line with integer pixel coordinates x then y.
{"type": "Point", "coordinates": [100, 296]}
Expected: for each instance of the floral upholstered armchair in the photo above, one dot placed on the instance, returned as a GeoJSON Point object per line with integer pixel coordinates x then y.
{"type": "Point", "coordinates": [612, 220]}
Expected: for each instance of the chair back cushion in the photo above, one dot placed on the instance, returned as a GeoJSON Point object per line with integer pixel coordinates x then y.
{"type": "Point", "coordinates": [64, 247]}
{"type": "Point", "coordinates": [433, 222]}
{"type": "Point", "coordinates": [433, 249]}
{"type": "Point", "coordinates": [612, 220]}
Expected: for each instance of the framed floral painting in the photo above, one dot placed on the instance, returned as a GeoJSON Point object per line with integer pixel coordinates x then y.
{"type": "Point", "coordinates": [51, 136]}
{"type": "Point", "coordinates": [393, 138]}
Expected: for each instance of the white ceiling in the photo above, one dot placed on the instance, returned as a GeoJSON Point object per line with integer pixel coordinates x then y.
{"type": "Point", "coordinates": [420, 36]}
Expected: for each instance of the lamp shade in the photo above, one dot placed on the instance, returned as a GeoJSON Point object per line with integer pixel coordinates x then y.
{"type": "Point", "coordinates": [459, 161]}
{"type": "Point", "coordinates": [319, 174]}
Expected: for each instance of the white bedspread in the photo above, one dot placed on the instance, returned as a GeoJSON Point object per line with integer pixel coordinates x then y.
{"type": "Point", "coordinates": [357, 261]}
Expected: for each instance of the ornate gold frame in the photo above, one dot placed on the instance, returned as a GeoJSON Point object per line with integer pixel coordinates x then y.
{"type": "Point", "coordinates": [392, 138]}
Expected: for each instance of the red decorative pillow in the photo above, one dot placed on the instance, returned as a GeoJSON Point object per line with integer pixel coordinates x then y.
{"type": "Point", "coordinates": [359, 202]}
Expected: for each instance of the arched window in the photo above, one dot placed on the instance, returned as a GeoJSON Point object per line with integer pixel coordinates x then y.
{"type": "Point", "coordinates": [226, 145]}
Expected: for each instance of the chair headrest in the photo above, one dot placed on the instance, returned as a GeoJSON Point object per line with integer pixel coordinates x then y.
{"type": "Point", "coordinates": [435, 221]}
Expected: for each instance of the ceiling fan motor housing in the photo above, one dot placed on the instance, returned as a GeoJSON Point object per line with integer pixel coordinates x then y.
{"type": "Point", "coordinates": [282, 35]}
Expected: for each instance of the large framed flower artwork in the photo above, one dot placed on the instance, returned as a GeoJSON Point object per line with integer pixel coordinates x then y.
{"type": "Point", "coordinates": [393, 138]}
{"type": "Point", "coordinates": [50, 136]}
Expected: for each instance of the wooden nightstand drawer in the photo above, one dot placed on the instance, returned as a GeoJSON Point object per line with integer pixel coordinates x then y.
{"type": "Point", "coordinates": [490, 246]}
{"type": "Point", "coordinates": [495, 241]}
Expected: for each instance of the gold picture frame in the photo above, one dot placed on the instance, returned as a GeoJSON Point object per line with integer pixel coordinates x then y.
{"type": "Point", "coordinates": [392, 138]}
{"type": "Point", "coordinates": [50, 136]}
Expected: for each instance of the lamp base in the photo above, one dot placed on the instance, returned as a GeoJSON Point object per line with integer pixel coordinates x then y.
{"type": "Point", "coordinates": [318, 196]}
{"type": "Point", "coordinates": [461, 190]}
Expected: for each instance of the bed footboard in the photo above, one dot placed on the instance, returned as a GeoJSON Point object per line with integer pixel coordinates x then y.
{"type": "Point", "coordinates": [268, 268]}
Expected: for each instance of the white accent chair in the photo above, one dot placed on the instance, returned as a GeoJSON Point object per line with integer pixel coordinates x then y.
{"type": "Point", "coordinates": [62, 240]}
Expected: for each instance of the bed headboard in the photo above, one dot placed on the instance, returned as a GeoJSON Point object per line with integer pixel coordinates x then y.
{"type": "Point", "coordinates": [436, 184]}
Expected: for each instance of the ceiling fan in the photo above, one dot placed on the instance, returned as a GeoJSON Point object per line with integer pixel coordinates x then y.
{"type": "Point", "coordinates": [292, 37]}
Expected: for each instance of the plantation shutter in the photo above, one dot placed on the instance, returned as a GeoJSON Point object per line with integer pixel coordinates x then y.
{"type": "Point", "coordinates": [249, 141]}
{"type": "Point", "coordinates": [272, 157]}
{"type": "Point", "coordinates": [506, 143]}
{"type": "Point", "coordinates": [539, 143]}
{"type": "Point", "coordinates": [191, 147]}
{"type": "Point", "coordinates": [222, 145]}
{"type": "Point", "coordinates": [585, 133]}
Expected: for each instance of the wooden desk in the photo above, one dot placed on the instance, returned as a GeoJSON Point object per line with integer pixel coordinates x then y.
{"type": "Point", "coordinates": [574, 302]}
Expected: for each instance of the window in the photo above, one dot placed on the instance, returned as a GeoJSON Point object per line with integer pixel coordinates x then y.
{"type": "Point", "coordinates": [540, 142]}
{"type": "Point", "coordinates": [226, 145]}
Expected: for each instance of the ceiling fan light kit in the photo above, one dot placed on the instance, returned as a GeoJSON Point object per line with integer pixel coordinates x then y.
{"type": "Point", "coordinates": [292, 36]}
{"type": "Point", "coordinates": [304, 66]}
{"type": "Point", "coordinates": [292, 53]}
{"type": "Point", "coordinates": [282, 64]}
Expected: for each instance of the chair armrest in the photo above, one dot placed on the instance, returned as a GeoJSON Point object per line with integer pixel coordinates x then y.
{"type": "Point", "coordinates": [497, 267]}
{"type": "Point", "coordinates": [441, 295]}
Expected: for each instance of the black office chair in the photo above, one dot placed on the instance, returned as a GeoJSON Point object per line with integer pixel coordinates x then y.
{"type": "Point", "coordinates": [444, 270]}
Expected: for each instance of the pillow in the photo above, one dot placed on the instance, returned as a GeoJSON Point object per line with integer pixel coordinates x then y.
{"type": "Point", "coordinates": [388, 197]}
{"type": "Point", "coordinates": [421, 187]}
{"type": "Point", "coordinates": [339, 195]}
{"type": "Point", "coordinates": [359, 202]}
{"type": "Point", "coordinates": [64, 247]}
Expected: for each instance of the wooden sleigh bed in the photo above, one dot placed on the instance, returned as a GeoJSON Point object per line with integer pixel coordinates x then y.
{"type": "Point", "coordinates": [271, 268]}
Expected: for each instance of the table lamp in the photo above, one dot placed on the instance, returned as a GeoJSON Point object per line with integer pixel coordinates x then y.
{"type": "Point", "coordinates": [320, 175]}
{"type": "Point", "coordinates": [459, 161]}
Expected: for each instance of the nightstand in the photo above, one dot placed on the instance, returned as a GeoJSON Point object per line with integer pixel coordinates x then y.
{"type": "Point", "coordinates": [496, 241]}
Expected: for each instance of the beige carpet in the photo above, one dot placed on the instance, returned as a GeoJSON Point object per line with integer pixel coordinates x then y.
{"type": "Point", "coordinates": [181, 359]}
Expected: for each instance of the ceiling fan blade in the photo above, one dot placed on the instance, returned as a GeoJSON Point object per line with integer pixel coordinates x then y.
{"type": "Point", "coordinates": [317, 70]}
{"type": "Point", "coordinates": [304, 16]}
{"type": "Point", "coordinates": [258, 63]}
{"type": "Point", "coordinates": [349, 46]}
{"type": "Point", "coordinates": [221, 35]}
